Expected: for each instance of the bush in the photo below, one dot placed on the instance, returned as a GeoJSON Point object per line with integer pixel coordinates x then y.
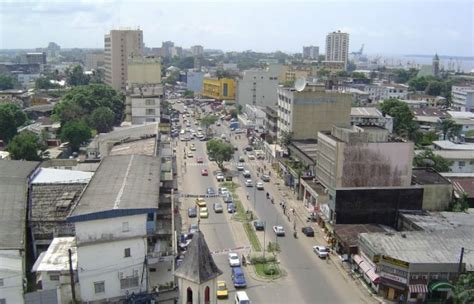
{"type": "Point", "coordinates": [270, 269]}
{"type": "Point", "coordinates": [259, 259]}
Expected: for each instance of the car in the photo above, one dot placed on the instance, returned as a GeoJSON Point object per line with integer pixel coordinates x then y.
{"type": "Point", "coordinates": [246, 173]}
{"type": "Point", "coordinates": [251, 156]}
{"type": "Point", "coordinates": [192, 212]}
{"type": "Point", "coordinates": [228, 178]}
{"type": "Point", "coordinates": [218, 208]}
{"type": "Point", "coordinates": [222, 291]}
{"type": "Point", "coordinates": [321, 251]}
{"type": "Point", "coordinates": [308, 231]}
{"type": "Point", "coordinates": [222, 191]}
{"type": "Point", "coordinates": [218, 124]}
{"type": "Point", "coordinates": [190, 154]}
{"type": "Point", "coordinates": [259, 225]}
{"type": "Point", "coordinates": [193, 228]}
{"type": "Point", "coordinates": [203, 212]}
{"type": "Point", "coordinates": [200, 202]}
{"type": "Point", "coordinates": [192, 147]}
{"type": "Point", "coordinates": [204, 172]}
{"type": "Point", "coordinates": [248, 148]}
{"type": "Point", "coordinates": [248, 183]}
{"type": "Point", "coordinates": [220, 177]}
{"type": "Point", "coordinates": [279, 231]}
{"type": "Point", "coordinates": [231, 208]}
{"type": "Point", "coordinates": [199, 160]}
{"type": "Point", "coordinates": [259, 186]}
{"type": "Point", "coordinates": [210, 191]}
{"type": "Point", "coordinates": [240, 167]}
{"type": "Point", "coordinates": [228, 199]}
{"type": "Point", "coordinates": [238, 278]}
{"type": "Point", "coordinates": [241, 159]}
{"type": "Point", "coordinates": [265, 178]}
{"type": "Point", "coordinates": [234, 260]}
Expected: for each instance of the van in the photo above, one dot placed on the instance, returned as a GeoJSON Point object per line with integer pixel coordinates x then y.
{"type": "Point", "coordinates": [241, 298]}
{"type": "Point", "coordinates": [238, 277]}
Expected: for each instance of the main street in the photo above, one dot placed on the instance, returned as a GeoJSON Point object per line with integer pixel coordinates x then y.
{"type": "Point", "coordinates": [307, 278]}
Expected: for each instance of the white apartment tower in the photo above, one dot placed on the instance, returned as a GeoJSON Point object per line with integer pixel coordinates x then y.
{"type": "Point", "coordinates": [119, 45]}
{"type": "Point", "coordinates": [310, 52]}
{"type": "Point", "coordinates": [337, 47]}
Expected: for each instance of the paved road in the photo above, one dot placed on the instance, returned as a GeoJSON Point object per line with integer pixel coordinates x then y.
{"type": "Point", "coordinates": [308, 279]}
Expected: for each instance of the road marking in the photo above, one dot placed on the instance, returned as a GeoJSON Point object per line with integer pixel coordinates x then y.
{"type": "Point", "coordinates": [223, 251]}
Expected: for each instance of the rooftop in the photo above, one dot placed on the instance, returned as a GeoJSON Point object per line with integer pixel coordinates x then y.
{"type": "Point", "coordinates": [440, 246]}
{"type": "Point", "coordinates": [452, 154]}
{"type": "Point", "coordinates": [122, 182]}
{"type": "Point", "coordinates": [349, 233]}
{"type": "Point", "coordinates": [366, 112]}
{"type": "Point", "coordinates": [432, 221]}
{"type": "Point", "coordinates": [461, 115]}
{"type": "Point", "coordinates": [429, 111]}
{"type": "Point", "coordinates": [56, 258]}
{"type": "Point", "coordinates": [142, 147]}
{"type": "Point", "coordinates": [53, 176]}
{"type": "Point", "coordinates": [427, 176]}
{"type": "Point", "coordinates": [449, 145]}
{"type": "Point", "coordinates": [308, 147]}
{"type": "Point", "coordinates": [14, 176]}
{"type": "Point", "coordinates": [463, 184]}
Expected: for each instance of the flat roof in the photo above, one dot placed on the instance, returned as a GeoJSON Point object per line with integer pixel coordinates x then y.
{"type": "Point", "coordinates": [452, 154]}
{"type": "Point", "coordinates": [463, 184]}
{"type": "Point", "coordinates": [13, 199]}
{"type": "Point", "coordinates": [308, 147]}
{"type": "Point", "coordinates": [429, 111]}
{"type": "Point", "coordinates": [440, 246]}
{"type": "Point", "coordinates": [448, 145]}
{"type": "Point", "coordinates": [461, 114]}
{"type": "Point", "coordinates": [431, 221]}
{"type": "Point", "coordinates": [126, 184]}
{"type": "Point", "coordinates": [53, 176]}
{"type": "Point", "coordinates": [427, 176]}
{"type": "Point", "coordinates": [142, 146]}
{"type": "Point", "coordinates": [56, 258]}
{"type": "Point", "coordinates": [366, 112]}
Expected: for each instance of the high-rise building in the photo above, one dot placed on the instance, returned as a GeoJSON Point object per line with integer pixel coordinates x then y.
{"type": "Point", "coordinates": [167, 48]}
{"type": "Point", "coordinates": [197, 50]}
{"type": "Point", "coordinates": [310, 52]}
{"type": "Point", "coordinates": [435, 65]}
{"type": "Point", "coordinates": [33, 58]}
{"type": "Point", "coordinates": [258, 87]}
{"type": "Point", "coordinates": [337, 47]}
{"type": "Point", "coordinates": [119, 45]}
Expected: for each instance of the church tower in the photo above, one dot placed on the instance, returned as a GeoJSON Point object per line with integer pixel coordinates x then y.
{"type": "Point", "coordinates": [435, 65]}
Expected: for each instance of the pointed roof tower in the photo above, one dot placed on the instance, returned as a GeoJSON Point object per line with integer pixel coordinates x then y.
{"type": "Point", "coordinates": [436, 58]}
{"type": "Point", "coordinates": [198, 266]}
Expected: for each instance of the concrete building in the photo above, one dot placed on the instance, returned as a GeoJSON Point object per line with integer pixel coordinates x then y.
{"type": "Point", "coordinates": [337, 47]}
{"type": "Point", "coordinates": [143, 70]}
{"type": "Point", "coordinates": [167, 48]}
{"type": "Point", "coordinates": [289, 73]}
{"type": "Point", "coordinates": [256, 116]}
{"type": "Point", "coordinates": [311, 110]}
{"type": "Point", "coordinates": [118, 46]}
{"type": "Point", "coordinates": [113, 218]}
{"type": "Point", "coordinates": [33, 58]}
{"type": "Point", "coordinates": [462, 161]}
{"type": "Point", "coordinates": [15, 177]}
{"type": "Point", "coordinates": [437, 190]}
{"type": "Point", "coordinates": [142, 103]}
{"type": "Point", "coordinates": [311, 52]}
{"type": "Point", "coordinates": [382, 91]}
{"type": "Point", "coordinates": [197, 50]}
{"type": "Point", "coordinates": [258, 87]}
{"type": "Point", "coordinates": [463, 98]}
{"type": "Point", "coordinates": [95, 61]}
{"type": "Point", "coordinates": [271, 123]}
{"type": "Point", "coordinates": [371, 116]}
{"type": "Point", "coordinates": [194, 81]}
{"type": "Point", "coordinates": [221, 89]}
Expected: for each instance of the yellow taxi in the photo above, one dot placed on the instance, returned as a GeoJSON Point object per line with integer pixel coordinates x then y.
{"type": "Point", "coordinates": [201, 202]}
{"type": "Point", "coordinates": [222, 291]}
{"type": "Point", "coordinates": [203, 212]}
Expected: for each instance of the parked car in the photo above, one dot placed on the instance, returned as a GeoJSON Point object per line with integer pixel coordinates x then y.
{"type": "Point", "coordinates": [265, 178]}
{"type": "Point", "coordinates": [240, 167]}
{"type": "Point", "coordinates": [246, 173]}
{"type": "Point", "coordinates": [248, 148]}
{"type": "Point", "coordinates": [248, 183]}
{"type": "Point", "coordinates": [192, 212]}
{"type": "Point", "coordinates": [230, 208]}
{"type": "Point", "coordinates": [218, 208]}
{"type": "Point", "coordinates": [228, 199]}
{"type": "Point", "coordinates": [238, 277]}
{"type": "Point", "coordinates": [192, 147]}
{"type": "Point", "coordinates": [222, 291]}
{"type": "Point", "coordinates": [279, 231]}
{"type": "Point", "coordinates": [251, 156]}
{"type": "Point", "coordinates": [259, 225]}
{"type": "Point", "coordinates": [199, 160]}
{"type": "Point", "coordinates": [190, 154]}
{"type": "Point", "coordinates": [222, 191]}
{"type": "Point", "coordinates": [193, 228]}
{"type": "Point", "coordinates": [220, 177]}
{"type": "Point", "coordinates": [321, 251]}
{"type": "Point", "coordinates": [210, 191]}
{"type": "Point", "coordinates": [308, 231]}
{"type": "Point", "coordinates": [204, 172]}
{"type": "Point", "coordinates": [259, 186]}
{"type": "Point", "coordinates": [241, 159]}
{"type": "Point", "coordinates": [234, 259]}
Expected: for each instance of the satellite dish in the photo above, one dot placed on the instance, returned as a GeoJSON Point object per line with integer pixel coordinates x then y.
{"type": "Point", "coordinates": [300, 84]}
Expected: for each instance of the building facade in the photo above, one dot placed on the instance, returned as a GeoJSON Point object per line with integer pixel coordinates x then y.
{"type": "Point", "coordinates": [95, 61]}
{"type": "Point", "coordinates": [463, 98]}
{"type": "Point", "coordinates": [142, 103]}
{"type": "Point", "coordinates": [311, 52]}
{"type": "Point", "coordinates": [197, 50]}
{"type": "Point", "coordinates": [258, 87]}
{"type": "Point", "coordinates": [194, 81]}
{"type": "Point", "coordinates": [271, 123]}
{"type": "Point", "coordinates": [143, 70]}
{"type": "Point", "coordinates": [221, 89]}
{"type": "Point", "coordinates": [33, 58]}
{"type": "Point", "coordinates": [337, 47]}
{"type": "Point", "coordinates": [118, 46]}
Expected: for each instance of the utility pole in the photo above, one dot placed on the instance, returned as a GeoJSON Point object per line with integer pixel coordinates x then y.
{"type": "Point", "coordinates": [460, 260]}
{"type": "Point", "coordinates": [71, 275]}
{"type": "Point", "coordinates": [264, 232]}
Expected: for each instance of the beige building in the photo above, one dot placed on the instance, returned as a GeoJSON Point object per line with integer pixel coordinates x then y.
{"type": "Point", "coordinates": [311, 110]}
{"type": "Point", "coordinates": [197, 50]}
{"type": "Point", "coordinates": [94, 61]}
{"type": "Point", "coordinates": [337, 47]}
{"type": "Point", "coordinates": [142, 104]}
{"type": "Point", "coordinates": [143, 70]}
{"type": "Point", "coordinates": [118, 46]}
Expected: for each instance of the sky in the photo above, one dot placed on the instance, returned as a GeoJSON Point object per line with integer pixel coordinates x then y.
{"type": "Point", "coordinates": [383, 26]}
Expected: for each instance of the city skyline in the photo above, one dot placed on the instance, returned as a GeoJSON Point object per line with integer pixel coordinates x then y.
{"type": "Point", "coordinates": [400, 27]}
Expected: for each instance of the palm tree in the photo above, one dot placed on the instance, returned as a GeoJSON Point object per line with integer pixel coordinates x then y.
{"type": "Point", "coordinates": [448, 127]}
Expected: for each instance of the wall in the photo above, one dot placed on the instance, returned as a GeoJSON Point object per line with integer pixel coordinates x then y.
{"type": "Point", "coordinates": [194, 81]}
{"type": "Point", "coordinates": [437, 197]}
{"type": "Point", "coordinates": [144, 70]}
{"type": "Point", "coordinates": [198, 291]}
{"type": "Point", "coordinates": [139, 109]}
{"type": "Point", "coordinates": [11, 271]}
{"type": "Point", "coordinates": [261, 83]}
{"type": "Point", "coordinates": [110, 267]}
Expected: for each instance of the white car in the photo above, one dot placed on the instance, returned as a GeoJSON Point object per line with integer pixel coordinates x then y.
{"type": "Point", "coordinates": [192, 148]}
{"type": "Point", "coordinates": [279, 231]}
{"type": "Point", "coordinates": [246, 173]}
{"type": "Point", "coordinates": [248, 183]}
{"type": "Point", "coordinates": [240, 167]}
{"type": "Point", "coordinates": [220, 177]}
{"type": "Point", "coordinates": [251, 156]}
{"type": "Point", "coordinates": [190, 154]}
{"type": "Point", "coordinates": [259, 186]}
{"type": "Point", "coordinates": [234, 260]}
{"type": "Point", "coordinates": [223, 191]}
{"type": "Point", "coordinates": [321, 251]}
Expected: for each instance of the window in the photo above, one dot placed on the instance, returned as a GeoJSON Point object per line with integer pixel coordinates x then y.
{"type": "Point", "coordinates": [125, 227]}
{"type": "Point", "coordinates": [150, 102]}
{"type": "Point", "coordinates": [129, 282]}
{"type": "Point", "coordinates": [462, 163]}
{"type": "Point", "coordinates": [99, 287]}
{"type": "Point", "coordinates": [54, 277]}
{"type": "Point", "coordinates": [150, 111]}
{"type": "Point", "coordinates": [127, 253]}
{"type": "Point", "coordinates": [3, 301]}
{"type": "Point", "coordinates": [1, 282]}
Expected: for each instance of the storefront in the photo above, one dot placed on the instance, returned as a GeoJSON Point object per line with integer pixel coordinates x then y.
{"type": "Point", "coordinates": [367, 269]}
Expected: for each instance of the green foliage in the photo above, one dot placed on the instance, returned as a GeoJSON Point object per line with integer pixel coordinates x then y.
{"type": "Point", "coordinates": [428, 159]}
{"type": "Point", "coordinates": [44, 83]}
{"type": "Point", "coordinates": [220, 151]}
{"type": "Point", "coordinates": [208, 120]}
{"type": "Point", "coordinates": [76, 133]}
{"type": "Point", "coordinates": [252, 236]}
{"type": "Point", "coordinates": [188, 94]}
{"type": "Point", "coordinates": [343, 74]}
{"type": "Point", "coordinates": [25, 146]}
{"type": "Point", "coordinates": [461, 204]}
{"type": "Point", "coordinates": [402, 116]}
{"type": "Point", "coordinates": [6, 82]}
{"type": "Point", "coordinates": [418, 83]}
{"type": "Point", "coordinates": [403, 76]}
{"type": "Point", "coordinates": [358, 75]}
{"type": "Point", "coordinates": [11, 117]}
{"type": "Point", "coordinates": [223, 74]}
{"type": "Point", "coordinates": [432, 86]}
{"type": "Point", "coordinates": [323, 72]}
{"type": "Point", "coordinates": [102, 119]}
{"type": "Point", "coordinates": [239, 109]}
{"type": "Point", "coordinates": [428, 138]}
{"type": "Point", "coordinates": [172, 78]}
{"type": "Point", "coordinates": [273, 247]}
{"type": "Point", "coordinates": [76, 76]}
{"type": "Point", "coordinates": [83, 100]}
{"type": "Point", "coordinates": [448, 128]}
{"type": "Point", "coordinates": [259, 259]}
{"type": "Point", "coordinates": [286, 138]}
{"type": "Point", "coordinates": [464, 289]}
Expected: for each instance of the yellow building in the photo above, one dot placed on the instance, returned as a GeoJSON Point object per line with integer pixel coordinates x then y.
{"type": "Point", "coordinates": [221, 89]}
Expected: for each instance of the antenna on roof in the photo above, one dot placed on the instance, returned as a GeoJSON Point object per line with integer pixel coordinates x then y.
{"type": "Point", "coordinates": [300, 84]}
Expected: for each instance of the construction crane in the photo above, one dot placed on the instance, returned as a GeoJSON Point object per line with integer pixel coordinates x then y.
{"type": "Point", "coordinates": [359, 53]}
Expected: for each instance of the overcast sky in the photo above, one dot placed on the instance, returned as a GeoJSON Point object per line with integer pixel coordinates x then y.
{"type": "Point", "coordinates": [385, 27]}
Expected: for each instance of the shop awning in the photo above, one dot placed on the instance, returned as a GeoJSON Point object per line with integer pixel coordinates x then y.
{"type": "Point", "coordinates": [366, 268]}
{"type": "Point", "coordinates": [440, 286]}
{"type": "Point", "coordinates": [373, 276]}
{"type": "Point", "coordinates": [357, 259]}
{"type": "Point", "coordinates": [418, 288]}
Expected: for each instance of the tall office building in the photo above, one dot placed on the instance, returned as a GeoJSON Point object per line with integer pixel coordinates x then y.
{"type": "Point", "coordinates": [310, 52]}
{"type": "Point", "coordinates": [119, 45]}
{"type": "Point", "coordinates": [197, 50]}
{"type": "Point", "coordinates": [337, 47]}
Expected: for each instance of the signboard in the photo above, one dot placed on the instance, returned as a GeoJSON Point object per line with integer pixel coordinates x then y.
{"type": "Point", "coordinates": [395, 262]}
{"type": "Point", "coordinates": [393, 277]}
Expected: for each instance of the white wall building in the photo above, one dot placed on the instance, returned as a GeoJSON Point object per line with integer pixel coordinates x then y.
{"type": "Point", "coordinates": [256, 115]}
{"type": "Point", "coordinates": [463, 98]}
{"type": "Point", "coordinates": [258, 87]}
{"type": "Point", "coordinates": [382, 91]}
{"type": "Point", "coordinates": [311, 52]}
{"type": "Point", "coordinates": [337, 47]}
{"type": "Point", "coordinates": [194, 81]}
{"type": "Point", "coordinates": [142, 104]}
{"type": "Point", "coordinates": [115, 215]}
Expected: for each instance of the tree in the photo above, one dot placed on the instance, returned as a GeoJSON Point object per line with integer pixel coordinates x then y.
{"type": "Point", "coordinates": [44, 83]}
{"type": "Point", "coordinates": [418, 83]}
{"type": "Point", "coordinates": [11, 117]}
{"type": "Point", "coordinates": [461, 204]}
{"type": "Point", "coordinates": [448, 128]}
{"type": "Point", "coordinates": [25, 146]}
{"type": "Point", "coordinates": [239, 109]}
{"type": "Point", "coordinates": [464, 289]}
{"type": "Point", "coordinates": [6, 82]}
{"type": "Point", "coordinates": [188, 94]}
{"type": "Point", "coordinates": [403, 76]}
{"type": "Point", "coordinates": [286, 138]}
{"type": "Point", "coordinates": [208, 120]}
{"type": "Point", "coordinates": [428, 138]}
{"type": "Point", "coordinates": [76, 133]}
{"type": "Point", "coordinates": [76, 76]}
{"type": "Point", "coordinates": [402, 116]}
{"type": "Point", "coordinates": [428, 159]}
{"type": "Point", "coordinates": [358, 75]}
{"type": "Point", "coordinates": [220, 151]}
{"type": "Point", "coordinates": [102, 119]}
{"type": "Point", "coordinates": [434, 88]}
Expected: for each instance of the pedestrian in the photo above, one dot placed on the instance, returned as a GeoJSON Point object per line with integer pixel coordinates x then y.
{"type": "Point", "coordinates": [293, 211]}
{"type": "Point", "coordinates": [247, 196]}
{"type": "Point", "coordinates": [401, 300]}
